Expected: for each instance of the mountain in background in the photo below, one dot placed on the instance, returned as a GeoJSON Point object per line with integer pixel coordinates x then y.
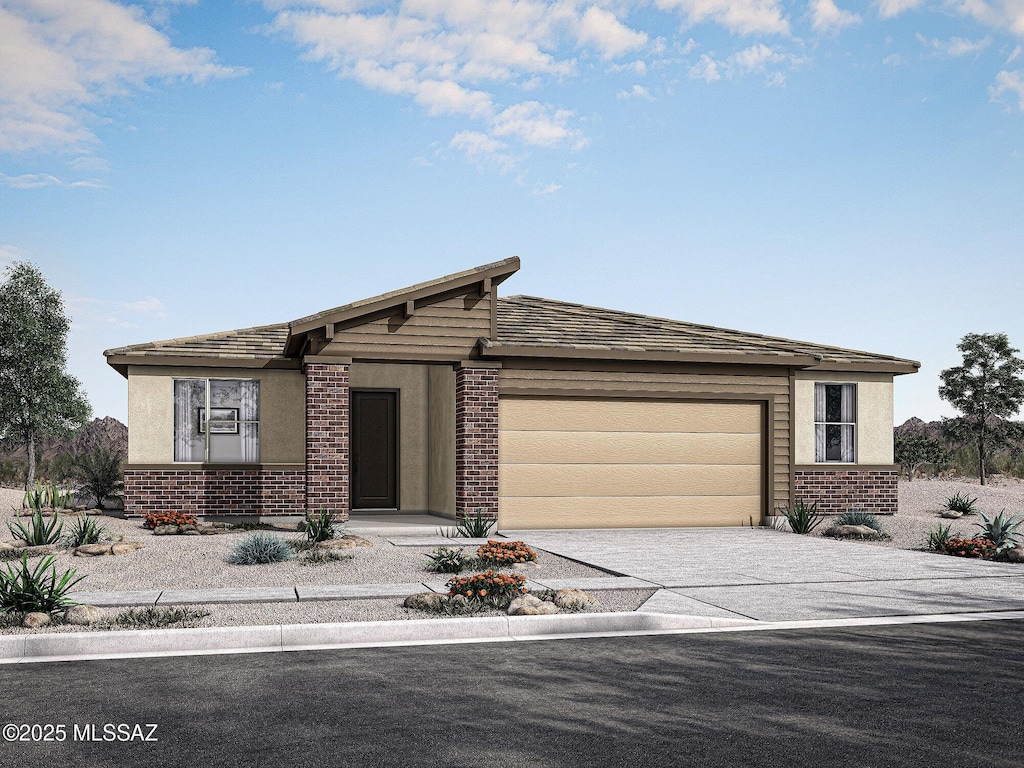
{"type": "Point", "coordinates": [107, 433]}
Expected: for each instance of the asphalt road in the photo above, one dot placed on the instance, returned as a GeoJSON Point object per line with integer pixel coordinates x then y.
{"type": "Point", "coordinates": [918, 695]}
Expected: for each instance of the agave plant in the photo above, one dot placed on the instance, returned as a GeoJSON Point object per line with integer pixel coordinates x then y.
{"type": "Point", "coordinates": [46, 496]}
{"type": "Point", "coordinates": [86, 531]}
{"type": "Point", "coordinates": [476, 527]}
{"type": "Point", "coordinates": [962, 503]}
{"type": "Point", "coordinates": [938, 537]}
{"type": "Point", "coordinates": [38, 531]}
{"type": "Point", "coordinates": [1000, 530]}
{"type": "Point", "coordinates": [23, 590]}
{"type": "Point", "coordinates": [446, 560]}
{"type": "Point", "coordinates": [320, 526]}
{"type": "Point", "coordinates": [802, 517]}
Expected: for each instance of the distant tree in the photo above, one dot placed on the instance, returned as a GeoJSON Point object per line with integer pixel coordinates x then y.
{"type": "Point", "coordinates": [987, 389]}
{"type": "Point", "coordinates": [99, 474]}
{"type": "Point", "coordinates": [37, 396]}
{"type": "Point", "coordinates": [914, 452]}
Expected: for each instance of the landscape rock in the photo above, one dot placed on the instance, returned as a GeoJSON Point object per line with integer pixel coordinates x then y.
{"type": "Point", "coordinates": [83, 615]}
{"type": "Point", "coordinates": [951, 514]}
{"type": "Point", "coordinates": [119, 547]}
{"type": "Point", "coordinates": [124, 547]}
{"type": "Point", "coordinates": [1015, 555]}
{"type": "Point", "coordinates": [424, 601]}
{"type": "Point", "coordinates": [39, 551]}
{"type": "Point", "coordinates": [165, 530]}
{"type": "Point", "coordinates": [6, 546]}
{"type": "Point", "coordinates": [33, 620]}
{"type": "Point", "coordinates": [345, 543]}
{"type": "Point", "coordinates": [92, 550]}
{"type": "Point", "coordinates": [852, 530]}
{"type": "Point", "coordinates": [574, 600]}
{"type": "Point", "coordinates": [531, 605]}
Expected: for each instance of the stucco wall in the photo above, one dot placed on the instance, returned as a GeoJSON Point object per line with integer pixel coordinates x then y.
{"type": "Point", "coordinates": [411, 381]}
{"type": "Point", "coordinates": [441, 440]}
{"type": "Point", "coordinates": [874, 415]}
{"type": "Point", "coordinates": [151, 412]}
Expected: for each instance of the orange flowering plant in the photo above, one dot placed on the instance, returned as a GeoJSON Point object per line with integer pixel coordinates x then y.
{"type": "Point", "coordinates": [979, 547]}
{"type": "Point", "coordinates": [153, 519]}
{"type": "Point", "coordinates": [490, 586]}
{"type": "Point", "coordinates": [499, 553]}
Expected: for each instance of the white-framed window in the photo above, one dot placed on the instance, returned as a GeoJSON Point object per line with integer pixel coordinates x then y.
{"type": "Point", "coordinates": [217, 421]}
{"type": "Point", "coordinates": [835, 422]}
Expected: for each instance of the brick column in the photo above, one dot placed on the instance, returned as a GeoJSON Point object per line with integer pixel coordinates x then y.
{"type": "Point", "coordinates": [327, 425]}
{"type": "Point", "coordinates": [476, 440]}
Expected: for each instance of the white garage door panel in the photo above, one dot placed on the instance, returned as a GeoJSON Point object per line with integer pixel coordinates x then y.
{"type": "Point", "coordinates": [630, 512]}
{"type": "Point", "coordinates": [587, 463]}
{"type": "Point", "coordinates": [628, 480]}
{"type": "Point", "coordinates": [629, 416]}
{"type": "Point", "coordinates": [551, 447]}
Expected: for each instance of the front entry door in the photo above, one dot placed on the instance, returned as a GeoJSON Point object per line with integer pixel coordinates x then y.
{"type": "Point", "coordinates": [374, 450]}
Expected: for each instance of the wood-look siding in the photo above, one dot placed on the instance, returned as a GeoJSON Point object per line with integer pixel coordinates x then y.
{"type": "Point", "coordinates": [660, 382]}
{"type": "Point", "coordinates": [448, 327]}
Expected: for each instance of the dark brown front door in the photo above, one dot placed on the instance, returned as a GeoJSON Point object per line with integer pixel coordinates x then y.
{"type": "Point", "coordinates": [374, 450]}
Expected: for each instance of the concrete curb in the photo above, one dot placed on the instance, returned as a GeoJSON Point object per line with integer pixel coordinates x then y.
{"type": "Point", "coordinates": [293, 637]}
{"type": "Point", "coordinates": [15, 649]}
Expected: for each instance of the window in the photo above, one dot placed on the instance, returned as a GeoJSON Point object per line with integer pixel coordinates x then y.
{"type": "Point", "coordinates": [217, 420]}
{"type": "Point", "coordinates": [835, 421]}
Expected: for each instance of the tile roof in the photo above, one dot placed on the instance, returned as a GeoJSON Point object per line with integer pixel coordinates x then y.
{"type": "Point", "coordinates": [528, 321]}
{"type": "Point", "coordinates": [265, 342]}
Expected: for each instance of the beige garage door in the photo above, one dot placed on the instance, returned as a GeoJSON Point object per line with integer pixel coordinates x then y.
{"type": "Point", "coordinates": [587, 463]}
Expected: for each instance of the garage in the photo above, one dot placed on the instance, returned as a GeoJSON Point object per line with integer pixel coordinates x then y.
{"type": "Point", "coordinates": [628, 463]}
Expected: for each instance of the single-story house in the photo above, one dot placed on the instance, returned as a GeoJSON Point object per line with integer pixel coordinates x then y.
{"type": "Point", "coordinates": [445, 398]}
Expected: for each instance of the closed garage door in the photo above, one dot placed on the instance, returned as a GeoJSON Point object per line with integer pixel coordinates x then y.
{"type": "Point", "coordinates": [588, 463]}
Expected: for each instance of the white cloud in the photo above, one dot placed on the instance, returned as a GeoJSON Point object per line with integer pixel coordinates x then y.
{"type": "Point", "coordinates": [756, 58]}
{"type": "Point", "coordinates": [888, 9]}
{"type": "Point", "coordinates": [610, 36]}
{"type": "Point", "coordinates": [10, 254]}
{"type": "Point", "coordinates": [148, 306]}
{"type": "Point", "coordinates": [744, 16]}
{"type": "Point", "coordinates": [73, 56]}
{"type": "Point", "coordinates": [39, 180]}
{"type": "Point", "coordinates": [1014, 55]}
{"type": "Point", "coordinates": [826, 16]}
{"type": "Point", "coordinates": [636, 92]}
{"type": "Point", "coordinates": [1009, 83]}
{"type": "Point", "coordinates": [955, 46]}
{"type": "Point", "coordinates": [546, 189]}
{"type": "Point", "coordinates": [705, 69]}
{"type": "Point", "coordinates": [893, 60]}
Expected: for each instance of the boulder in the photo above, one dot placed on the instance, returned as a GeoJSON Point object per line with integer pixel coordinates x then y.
{"type": "Point", "coordinates": [39, 551]}
{"type": "Point", "coordinates": [124, 547]}
{"type": "Point", "coordinates": [165, 530]}
{"type": "Point", "coordinates": [531, 605]}
{"type": "Point", "coordinates": [92, 550]}
{"type": "Point", "coordinates": [6, 546]}
{"type": "Point", "coordinates": [424, 601]}
{"type": "Point", "coordinates": [951, 514]}
{"type": "Point", "coordinates": [1016, 554]}
{"type": "Point", "coordinates": [83, 615]}
{"type": "Point", "coordinates": [574, 600]}
{"type": "Point", "coordinates": [852, 530]}
{"type": "Point", "coordinates": [346, 542]}
{"type": "Point", "coordinates": [34, 619]}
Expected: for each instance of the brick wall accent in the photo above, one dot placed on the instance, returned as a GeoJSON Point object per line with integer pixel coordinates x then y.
{"type": "Point", "coordinates": [215, 491]}
{"type": "Point", "coordinates": [476, 440]}
{"type": "Point", "coordinates": [841, 490]}
{"type": "Point", "coordinates": [327, 436]}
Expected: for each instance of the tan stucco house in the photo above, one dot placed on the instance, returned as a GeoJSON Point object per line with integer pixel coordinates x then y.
{"type": "Point", "coordinates": [445, 398]}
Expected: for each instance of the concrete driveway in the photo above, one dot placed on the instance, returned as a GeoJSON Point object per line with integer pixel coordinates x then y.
{"type": "Point", "coordinates": [774, 576]}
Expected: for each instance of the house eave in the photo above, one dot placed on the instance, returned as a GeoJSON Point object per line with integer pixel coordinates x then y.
{"type": "Point", "coordinates": [498, 351]}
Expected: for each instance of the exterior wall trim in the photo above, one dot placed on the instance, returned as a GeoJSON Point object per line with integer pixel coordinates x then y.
{"type": "Point", "coordinates": [835, 466]}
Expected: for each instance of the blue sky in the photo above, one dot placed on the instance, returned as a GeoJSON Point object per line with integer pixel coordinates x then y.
{"type": "Point", "coordinates": [844, 172]}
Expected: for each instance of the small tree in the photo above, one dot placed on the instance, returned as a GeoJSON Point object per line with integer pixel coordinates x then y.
{"type": "Point", "coordinates": [986, 389]}
{"type": "Point", "coordinates": [37, 397]}
{"type": "Point", "coordinates": [914, 452]}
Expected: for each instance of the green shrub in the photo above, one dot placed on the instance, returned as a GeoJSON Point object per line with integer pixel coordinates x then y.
{"type": "Point", "coordinates": [962, 503]}
{"type": "Point", "coordinates": [38, 531]}
{"type": "Point", "coordinates": [26, 591]}
{"type": "Point", "coordinates": [499, 553]}
{"type": "Point", "coordinates": [938, 537]}
{"type": "Point", "coordinates": [446, 560]}
{"type": "Point", "coordinates": [318, 556]}
{"type": "Point", "coordinates": [476, 527]}
{"type": "Point", "coordinates": [803, 518]}
{"type": "Point", "coordinates": [459, 605]}
{"type": "Point", "coordinates": [86, 531]}
{"type": "Point", "coordinates": [260, 549]}
{"type": "Point", "coordinates": [99, 474]}
{"type": "Point", "coordinates": [860, 517]}
{"type": "Point", "coordinates": [1002, 532]}
{"type": "Point", "coordinates": [47, 496]}
{"type": "Point", "coordinates": [319, 526]}
{"type": "Point", "coordinates": [157, 617]}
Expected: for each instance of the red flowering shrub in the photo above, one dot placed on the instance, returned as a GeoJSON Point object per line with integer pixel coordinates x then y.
{"type": "Point", "coordinates": [490, 586]}
{"type": "Point", "coordinates": [979, 547]}
{"type": "Point", "coordinates": [501, 553]}
{"type": "Point", "coordinates": [153, 519]}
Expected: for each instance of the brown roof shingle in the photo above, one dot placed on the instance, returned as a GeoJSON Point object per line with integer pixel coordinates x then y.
{"type": "Point", "coordinates": [265, 342]}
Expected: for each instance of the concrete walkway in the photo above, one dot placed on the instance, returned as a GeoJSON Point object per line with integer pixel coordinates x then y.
{"type": "Point", "coordinates": [774, 576]}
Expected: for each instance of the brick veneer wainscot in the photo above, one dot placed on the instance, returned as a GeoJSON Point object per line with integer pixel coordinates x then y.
{"type": "Point", "coordinates": [841, 490]}
{"type": "Point", "coordinates": [327, 435]}
{"type": "Point", "coordinates": [476, 440]}
{"type": "Point", "coordinates": [215, 491]}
